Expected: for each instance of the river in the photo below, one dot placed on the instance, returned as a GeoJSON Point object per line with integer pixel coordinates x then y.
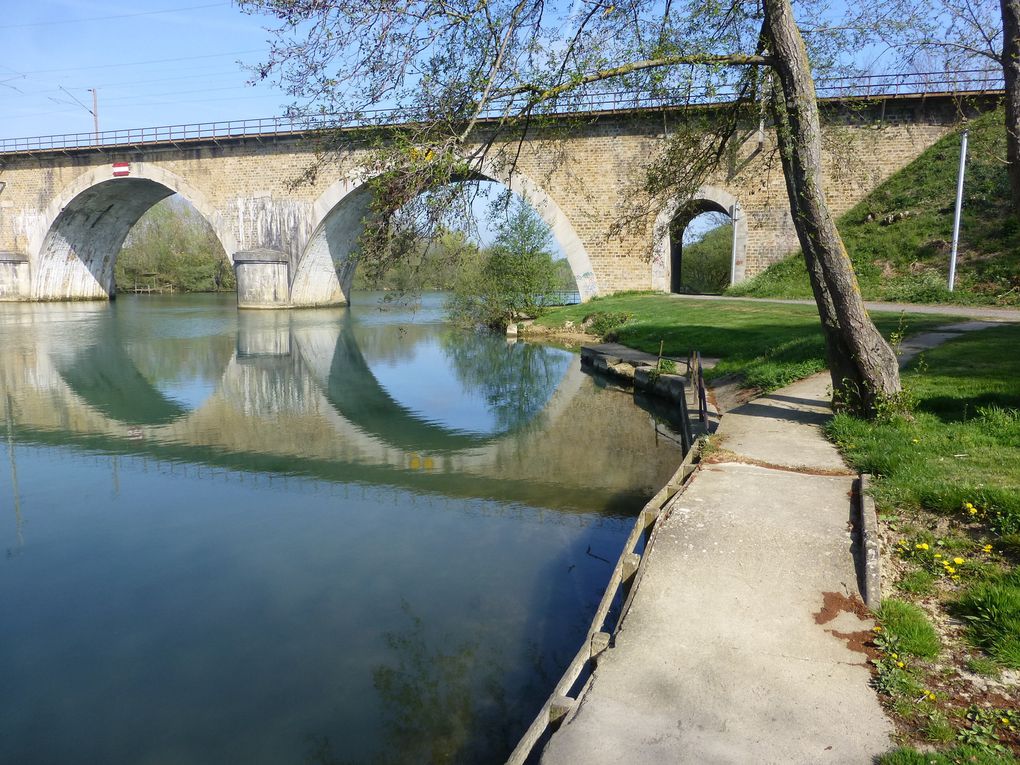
{"type": "Point", "coordinates": [332, 536]}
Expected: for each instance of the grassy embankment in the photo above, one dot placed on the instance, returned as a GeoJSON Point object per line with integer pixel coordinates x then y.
{"type": "Point", "coordinates": [899, 236]}
{"type": "Point", "coordinates": [768, 345]}
{"type": "Point", "coordinates": [948, 492]}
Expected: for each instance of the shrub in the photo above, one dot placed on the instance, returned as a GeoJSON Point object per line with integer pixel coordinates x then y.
{"type": "Point", "coordinates": [603, 324]}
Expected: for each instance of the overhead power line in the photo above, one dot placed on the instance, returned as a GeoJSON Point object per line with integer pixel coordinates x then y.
{"type": "Point", "coordinates": [139, 63]}
{"type": "Point", "coordinates": [53, 22]}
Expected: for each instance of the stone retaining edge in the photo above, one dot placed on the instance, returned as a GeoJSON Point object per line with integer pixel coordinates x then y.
{"type": "Point", "coordinates": [871, 557]}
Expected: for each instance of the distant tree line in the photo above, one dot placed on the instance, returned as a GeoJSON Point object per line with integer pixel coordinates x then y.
{"type": "Point", "coordinates": [173, 247]}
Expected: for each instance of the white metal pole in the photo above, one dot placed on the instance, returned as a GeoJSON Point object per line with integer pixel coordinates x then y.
{"type": "Point", "coordinates": [959, 207]}
{"type": "Point", "coordinates": [95, 111]}
{"type": "Point", "coordinates": [734, 214]}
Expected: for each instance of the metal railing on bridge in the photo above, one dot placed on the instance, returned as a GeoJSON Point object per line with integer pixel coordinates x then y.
{"type": "Point", "coordinates": [876, 85]}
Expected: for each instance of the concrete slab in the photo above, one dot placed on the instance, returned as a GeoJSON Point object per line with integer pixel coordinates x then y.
{"type": "Point", "coordinates": [912, 346]}
{"type": "Point", "coordinates": [785, 428]}
{"type": "Point", "coordinates": [721, 658]}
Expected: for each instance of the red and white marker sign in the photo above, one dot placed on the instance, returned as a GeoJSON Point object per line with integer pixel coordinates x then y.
{"type": "Point", "coordinates": [120, 169]}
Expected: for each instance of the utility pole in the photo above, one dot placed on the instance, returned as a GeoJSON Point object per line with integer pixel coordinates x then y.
{"type": "Point", "coordinates": [959, 207]}
{"type": "Point", "coordinates": [95, 111]}
{"type": "Point", "coordinates": [734, 215]}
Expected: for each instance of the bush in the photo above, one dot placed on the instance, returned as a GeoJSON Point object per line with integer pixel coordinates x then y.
{"type": "Point", "coordinates": [603, 324]}
{"type": "Point", "coordinates": [705, 265]}
{"type": "Point", "coordinates": [172, 245]}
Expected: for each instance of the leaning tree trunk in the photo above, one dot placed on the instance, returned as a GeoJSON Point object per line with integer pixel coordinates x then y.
{"type": "Point", "coordinates": [862, 364]}
{"type": "Point", "coordinates": [1011, 74]}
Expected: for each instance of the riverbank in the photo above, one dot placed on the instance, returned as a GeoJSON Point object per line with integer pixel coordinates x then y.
{"type": "Point", "coordinates": [767, 344]}
{"type": "Point", "coordinates": [742, 635]}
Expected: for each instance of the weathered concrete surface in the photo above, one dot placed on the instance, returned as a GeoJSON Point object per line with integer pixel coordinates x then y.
{"type": "Point", "coordinates": [918, 344]}
{"type": "Point", "coordinates": [14, 276]}
{"type": "Point", "coordinates": [722, 658]}
{"type": "Point", "coordinates": [263, 278]}
{"type": "Point", "coordinates": [783, 428]}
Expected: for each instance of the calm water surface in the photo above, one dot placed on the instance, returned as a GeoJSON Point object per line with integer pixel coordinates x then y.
{"type": "Point", "coordinates": [334, 536]}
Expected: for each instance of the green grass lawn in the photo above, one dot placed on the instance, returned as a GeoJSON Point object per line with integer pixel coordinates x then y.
{"type": "Point", "coordinates": [899, 236]}
{"type": "Point", "coordinates": [948, 487]}
{"type": "Point", "coordinates": [962, 443]}
{"type": "Point", "coordinates": [769, 345]}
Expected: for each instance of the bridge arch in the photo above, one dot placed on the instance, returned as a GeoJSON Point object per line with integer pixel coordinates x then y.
{"type": "Point", "coordinates": [705, 199]}
{"type": "Point", "coordinates": [72, 252]}
{"type": "Point", "coordinates": [326, 267]}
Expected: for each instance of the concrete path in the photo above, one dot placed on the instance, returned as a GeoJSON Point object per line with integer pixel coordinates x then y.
{"type": "Point", "coordinates": [743, 642]}
{"type": "Point", "coordinates": [988, 313]}
{"type": "Point", "coordinates": [737, 647]}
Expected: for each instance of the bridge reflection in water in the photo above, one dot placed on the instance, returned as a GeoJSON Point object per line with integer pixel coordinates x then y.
{"type": "Point", "coordinates": [272, 531]}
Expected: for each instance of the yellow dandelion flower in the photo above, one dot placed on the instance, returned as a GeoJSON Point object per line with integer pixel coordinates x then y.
{"type": "Point", "coordinates": [987, 548]}
{"type": "Point", "coordinates": [899, 664]}
{"type": "Point", "coordinates": [921, 545]}
{"type": "Point", "coordinates": [958, 561]}
{"type": "Point", "coordinates": [950, 570]}
{"type": "Point", "coordinates": [931, 696]}
{"type": "Point", "coordinates": [972, 510]}
{"type": "Point", "coordinates": [938, 555]}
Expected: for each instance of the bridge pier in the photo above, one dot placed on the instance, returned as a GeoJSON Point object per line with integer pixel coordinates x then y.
{"type": "Point", "coordinates": [263, 278]}
{"type": "Point", "coordinates": [15, 283]}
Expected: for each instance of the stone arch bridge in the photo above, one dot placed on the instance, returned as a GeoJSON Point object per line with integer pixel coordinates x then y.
{"type": "Point", "coordinates": [65, 210]}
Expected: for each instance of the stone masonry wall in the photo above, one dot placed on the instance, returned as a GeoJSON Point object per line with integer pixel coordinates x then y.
{"type": "Point", "coordinates": [249, 188]}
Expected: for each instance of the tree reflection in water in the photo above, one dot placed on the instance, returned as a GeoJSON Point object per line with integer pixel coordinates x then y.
{"type": "Point", "coordinates": [437, 707]}
{"type": "Point", "coordinates": [515, 379]}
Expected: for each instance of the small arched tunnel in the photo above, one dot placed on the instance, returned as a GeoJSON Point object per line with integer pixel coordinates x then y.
{"type": "Point", "coordinates": [325, 272]}
{"type": "Point", "coordinates": [703, 266]}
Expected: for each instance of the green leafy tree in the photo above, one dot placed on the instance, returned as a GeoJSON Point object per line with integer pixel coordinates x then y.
{"type": "Point", "coordinates": [513, 278]}
{"type": "Point", "coordinates": [430, 265]}
{"type": "Point", "coordinates": [172, 246]}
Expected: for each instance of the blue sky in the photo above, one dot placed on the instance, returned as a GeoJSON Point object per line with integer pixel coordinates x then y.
{"type": "Point", "coordinates": [155, 62]}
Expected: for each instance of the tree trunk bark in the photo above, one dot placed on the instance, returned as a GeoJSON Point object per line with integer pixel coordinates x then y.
{"type": "Point", "coordinates": [1011, 74]}
{"type": "Point", "coordinates": [863, 366]}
